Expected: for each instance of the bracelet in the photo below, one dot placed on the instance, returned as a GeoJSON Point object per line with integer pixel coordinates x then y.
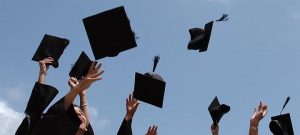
{"type": "Point", "coordinates": [253, 128]}
{"type": "Point", "coordinates": [83, 105]}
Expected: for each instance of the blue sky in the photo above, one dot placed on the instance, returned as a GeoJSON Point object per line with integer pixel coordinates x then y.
{"type": "Point", "coordinates": [252, 57]}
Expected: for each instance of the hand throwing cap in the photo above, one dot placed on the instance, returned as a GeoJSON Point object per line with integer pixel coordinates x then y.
{"type": "Point", "coordinates": [217, 111]}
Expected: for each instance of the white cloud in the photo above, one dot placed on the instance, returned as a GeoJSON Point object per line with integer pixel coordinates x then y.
{"type": "Point", "coordinates": [96, 121]}
{"type": "Point", "coordinates": [9, 119]}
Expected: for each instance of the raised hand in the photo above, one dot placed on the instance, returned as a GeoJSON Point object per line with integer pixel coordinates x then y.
{"type": "Point", "coordinates": [259, 114]}
{"type": "Point", "coordinates": [73, 82]}
{"type": "Point", "coordinates": [43, 66]}
{"type": "Point", "coordinates": [131, 106]}
{"type": "Point", "coordinates": [92, 76]}
{"type": "Point", "coordinates": [152, 130]}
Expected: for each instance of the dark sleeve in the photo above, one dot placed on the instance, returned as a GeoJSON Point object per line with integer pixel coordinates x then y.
{"type": "Point", "coordinates": [58, 121]}
{"type": "Point", "coordinates": [89, 131]}
{"type": "Point", "coordinates": [125, 128]}
{"type": "Point", "coordinates": [41, 96]}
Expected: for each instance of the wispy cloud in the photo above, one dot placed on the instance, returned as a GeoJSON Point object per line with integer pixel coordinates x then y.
{"type": "Point", "coordinates": [9, 119]}
{"type": "Point", "coordinates": [15, 93]}
{"type": "Point", "coordinates": [97, 122]}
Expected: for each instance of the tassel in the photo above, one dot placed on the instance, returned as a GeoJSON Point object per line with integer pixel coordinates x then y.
{"type": "Point", "coordinates": [155, 60]}
{"type": "Point", "coordinates": [286, 101]}
{"type": "Point", "coordinates": [223, 18]}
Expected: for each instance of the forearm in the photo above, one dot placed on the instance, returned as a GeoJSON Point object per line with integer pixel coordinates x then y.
{"type": "Point", "coordinates": [83, 105]}
{"type": "Point", "coordinates": [253, 129]}
{"type": "Point", "coordinates": [41, 78]}
{"type": "Point", "coordinates": [69, 98]}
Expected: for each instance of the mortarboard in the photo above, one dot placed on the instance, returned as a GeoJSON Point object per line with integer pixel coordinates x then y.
{"type": "Point", "coordinates": [51, 46]}
{"type": "Point", "coordinates": [200, 37]}
{"type": "Point", "coordinates": [81, 67]}
{"type": "Point", "coordinates": [150, 87]}
{"type": "Point", "coordinates": [217, 111]}
{"type": "Point", "coordinates": [282, 124]}
{"type": "Point", "coordinates": [109, 33]}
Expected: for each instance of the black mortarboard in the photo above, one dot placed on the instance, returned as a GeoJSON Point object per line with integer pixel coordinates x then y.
{"type": "Point", "coordinates": [282, 124]}
{"type": "Point", "coordinates": [217, 111]}
{"type": "Point", "coordinates": [109, 33]}
{"type": "Point", "coordinates": [51, 46]}
{"type": "Point", "coordinates": [150, 87]}
{"type": "Point", "coordinates": [81, 67]}
{"type": "Point", "coordinates": [200, 38]}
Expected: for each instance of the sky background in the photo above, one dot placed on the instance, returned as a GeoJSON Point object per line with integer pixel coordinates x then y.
{"type": "Point", "coordinates": [252, 57]}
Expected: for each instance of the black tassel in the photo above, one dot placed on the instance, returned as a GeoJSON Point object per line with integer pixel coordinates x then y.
{"type": "Point", "coordinates": [155, 60]}
{"type": "Point", "coordinates": [223, 18]}
{"type": "Point", "coordinates": [286, 101]}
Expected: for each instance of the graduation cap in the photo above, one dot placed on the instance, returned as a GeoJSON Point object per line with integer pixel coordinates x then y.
{"type": "Point", "coordinates": [200, 37]}
{"type": "Point", "coordinates": [282, 124]}
{"type": "Point", "coordinates": [109, 33]}
{"type": "Point", "coordinates": [150, 87]}
{"type": "Point", "coordinates": [51, 46]}
{"type": "Point", "coordinates": [217, 111]}
{"type": "Point", "coordinates": [81, 67]}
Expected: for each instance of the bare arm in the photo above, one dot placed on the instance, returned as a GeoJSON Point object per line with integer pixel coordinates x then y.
{"type": "Point", "coordinates": [83, 105]}
{"type": "Point", "coordinates": [43, 69]}
{"type": "Point", "coordinates": [258, 115]}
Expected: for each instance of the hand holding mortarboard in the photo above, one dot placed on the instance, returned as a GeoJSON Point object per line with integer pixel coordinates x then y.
{"type": "Point", "coordinates": [217, 110]}
{"type": "Point", "coordinates": [51, 46]}
{"type": "Point", "coordinates": [131, 106]}
{"type": "Point", "coordinates": [152, 130]}
{"type": "Point", "coordinates": [44, 65]}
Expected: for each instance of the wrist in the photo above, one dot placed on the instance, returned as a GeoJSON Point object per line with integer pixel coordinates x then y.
{"type": "Point", "coordinates": [254, 124]}
{"type": "Point", "coordinates": [128, 117]}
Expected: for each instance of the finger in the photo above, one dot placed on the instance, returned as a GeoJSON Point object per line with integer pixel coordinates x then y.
{"type": "Point", "coordinates": [98, 67]}
{"type": "Point", "coordinates": [127, 101]}
{"type": "Point", "coordinates": [94, 75]}
{"type": "Point", "coordinates": [92, 66]}
{"type": "Point", "coordinates": [130, 98]}
{"type": "Point", "coordinates": [101, 72]}
{"type": "Point", "coordinates": [155, 129]}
